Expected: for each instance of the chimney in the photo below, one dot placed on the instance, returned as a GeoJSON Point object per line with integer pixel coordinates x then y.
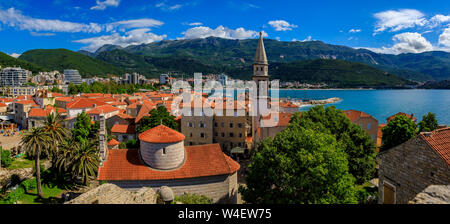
{"type": "Point", "coordinates": [427, 134]}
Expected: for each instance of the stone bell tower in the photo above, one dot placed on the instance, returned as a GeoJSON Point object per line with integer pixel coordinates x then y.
{"type": "Point", "coordinates": [261, 77]}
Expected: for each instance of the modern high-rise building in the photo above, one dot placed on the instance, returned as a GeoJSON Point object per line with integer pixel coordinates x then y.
{"type": "Point", "coordinates": [71, 75]}
{"type": "Point", "coordinates": [163, 79]}
{"type": "Point", "coordinates": [223, 79]}
{"type": "Point", "coordinates": [134, 78]}
{"type": "Point", "coordinates": [14, 76]}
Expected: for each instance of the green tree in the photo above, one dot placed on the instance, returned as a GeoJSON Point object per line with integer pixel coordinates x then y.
{"type": "Point", "coordinates": [5, 158]}
{"type": "Point", "coordinates": [35, 141]}
{"type": "Point", "coordinates": [398, 130]}
{"type": "Point", "coordinates": [73, 89]}
{"type": "Point", "coordinates": [299, 166]}
{"type": "Point", "coordinates": [428, 123]}
{"type": "Point", "coordinates": [80, 159]}
{"type": "Point", "coordinates": [357, 144]}
{"type": "Point", "coordinates": [157, 116]}
{"type": "Point", "coordinates": [82, 127]}
{"type": "Point", "coordinates": [57, 133]}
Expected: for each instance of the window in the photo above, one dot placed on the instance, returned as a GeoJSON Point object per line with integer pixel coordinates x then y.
{"type": "Point", "coordinates": [231, 125]}
{"type": "Point", "coordinates": [216, 134]}
{"type": "Point", "coordinates": [202, 125]}
{"type": "Point", "coordinates": [240, 125]}
{"type": "Point", "coordinates": [191, 135]}
{"type": "Point", "coordinates": [202, 135]}
{"type": "Point", "coordinates": [240, 144]}
{"type": "Point", "coordinates": [222, 124]}
{"type": "Point", "coordinates": [190, 124]}
{"type": "Point", "coordinates": [240, 135]}
{"type": "Point", "coordinates": [164, 151]}
{"type": "Point", "coordinates": [369, 126]}
{"type": "Point", "coordinates": [231, 134]}
{"type": "Point", "coordinates": [223, 134]}
{"type": "Point", "coordinates": [215, 124]}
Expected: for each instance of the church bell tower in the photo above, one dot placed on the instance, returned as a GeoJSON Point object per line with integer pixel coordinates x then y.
{"type": "Point", "coordinates": [261, 77]}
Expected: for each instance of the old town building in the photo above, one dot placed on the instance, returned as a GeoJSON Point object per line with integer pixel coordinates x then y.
{"type": "Point", "coordinates": [163, 160]}
{"type": "Point", "coordinates": [408, 169]}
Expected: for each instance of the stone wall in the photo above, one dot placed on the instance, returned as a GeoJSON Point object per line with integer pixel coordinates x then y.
{"type": "Point", "coordinates": [410, 168]}
{"type": "Point", "coordinates": [221, 189]}
{"type": "Point", "coordinates": [112, 194]}
{"type": "Point", "coordinates": [434, 194]}
{"type": "Point", "coordinates": [153, 155]}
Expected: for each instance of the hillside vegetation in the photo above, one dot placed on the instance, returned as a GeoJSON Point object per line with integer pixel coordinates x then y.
{"type": "Point", "coordinates": [60, 59]}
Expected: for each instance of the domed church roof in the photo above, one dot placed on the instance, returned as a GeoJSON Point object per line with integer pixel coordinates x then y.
{"type": "Point", "coordinates": [161, 134]}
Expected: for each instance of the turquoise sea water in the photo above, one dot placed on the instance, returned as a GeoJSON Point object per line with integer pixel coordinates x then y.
{"type": "Point", "coordinates": [383, 103]}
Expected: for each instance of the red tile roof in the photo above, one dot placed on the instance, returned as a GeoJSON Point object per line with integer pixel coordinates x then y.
{"type": "Point", "coordinates": [38, 112]}
{"type": "Point", "coordinates": [84, 103]}
{"type": "Point", "coordinates": [282, 120]}
{"type": "Point", "coordinates": [353, 115]}
{"type": "Point", "coordinates": [404, 114]}
{"type": "Point", "coordinates": [201, 161]}
{"type": "Point", "coordinates": [2, 105]}
{"type": "Point", "coordinates": [25, 102]}
{"type": "Point", "coordinates": [104, 109]}
{"type": "Point", "coordinates": [113, 142]}
{"type": "Point", "coordinates": [439, 141]}
{"type": "Point", "coordinates": [123, 129]}
{"type": "Point", "coordinates": [161, 134]}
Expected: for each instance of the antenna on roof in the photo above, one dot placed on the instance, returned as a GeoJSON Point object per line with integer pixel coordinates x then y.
{"type": "Point", "coordinates": [161, 122]}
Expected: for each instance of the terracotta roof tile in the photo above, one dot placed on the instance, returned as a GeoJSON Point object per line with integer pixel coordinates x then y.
{"type": "Point", "coordinates": [123, 129]}
{"type": "Point", "coordinates": [38, 112]}
{"type": "Point", "coordinates": [84, 103]}
{"type": "Point", "coordinates": [113, 142]}
{"type": "Point", "coordinates": [201, 161]}
{"type": "Point", "coordinates": [161, 134]}
{"type": "Point", "coordinates": [103, 109]}
{"type": "Point", "coordinates": [2, 105]}
{"type": "Point", "coordinates": [439, 141]}
{"type": "Point", "coordinates": [25, 102]}
{"type": "Point", "coordinates": [404, 114]}
{"type": "Point", "coordinates": [353, 115]}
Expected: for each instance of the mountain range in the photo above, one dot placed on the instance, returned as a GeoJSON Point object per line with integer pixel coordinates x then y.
{"type": "Point", "coordinates": [310, 61]}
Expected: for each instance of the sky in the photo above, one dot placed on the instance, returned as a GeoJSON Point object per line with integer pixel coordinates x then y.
{"type": "Point", "coordinates": [384, 26]}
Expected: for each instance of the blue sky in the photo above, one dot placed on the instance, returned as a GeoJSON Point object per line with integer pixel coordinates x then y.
{"type": "Point", "coordinates": [385, 26]}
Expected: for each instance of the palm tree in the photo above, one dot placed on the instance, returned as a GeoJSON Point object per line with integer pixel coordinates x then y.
{"type": "Point", "coordinates": [81, 159]}
{"type": "Point", "coordinates": [35, 141]}
{"type": "Point", "coordinates": [53, 127]}
{"type": "Point", "coordinates": [85, 160]}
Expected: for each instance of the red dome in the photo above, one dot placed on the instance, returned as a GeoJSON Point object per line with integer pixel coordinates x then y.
{"type": "Point", "coordinates": [161, 134]}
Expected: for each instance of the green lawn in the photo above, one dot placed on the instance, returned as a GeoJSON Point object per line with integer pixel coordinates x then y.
{"type": "Point", "coordinates": [20, 163]}
{"type": "Point", "coordinates": [51, 196]}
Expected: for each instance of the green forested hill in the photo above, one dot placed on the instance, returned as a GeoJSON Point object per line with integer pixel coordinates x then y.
{"type": "Point", "coordinates": [8, 61]}
{"type": "Point", "coordinates": [60, 59]}
{"type": "Point", "coordinates": [213, 51]}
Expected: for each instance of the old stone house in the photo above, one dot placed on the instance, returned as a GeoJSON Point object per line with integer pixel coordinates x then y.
{"type": "Point", "coordinates": [368, 123]}
{"type": "Point", "coordinates": [163, 160]}
{"type": "Point", "coordinates": [407, 169]}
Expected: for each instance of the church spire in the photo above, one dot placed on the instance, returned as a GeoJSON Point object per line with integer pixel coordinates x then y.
{"type": "Point", "coordinates": [260, 57]}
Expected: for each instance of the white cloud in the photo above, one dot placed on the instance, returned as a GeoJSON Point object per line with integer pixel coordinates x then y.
{"type": "Point", "coordinates": [220, 31]}
{"type": "Point", "coordinates": [103, 5]}
{"type": "Point", "coordinates": [137, 23]}
{"type": "Point", "coordinates": [396, 20]}
{"type": "Point", "coordinates": [444, 38]}
{"type": "Point", "coordinates": [354, 31]}
{"type": "Point", "coordinates": [133, 37]}
{"type": "Point", "coordinates": [14, 18]}
{"type": "Point", "coordinates": [406, 43]}
{"type": "Point", "coordinates": [282, 25]}
{"type": "Point", "coordinates": [195, 24]}
{"type": "Point", "coordinates": [42, 34]}
{"type": "Point", "coordinates": [165, 7]}
{"type": "Point", "coordinates": [438, 20]}
{"type": "Point", "coordinates": [15, 55]}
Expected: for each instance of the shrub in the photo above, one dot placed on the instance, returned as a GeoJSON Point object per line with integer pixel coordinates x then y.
{"type": "Point", "coordinates": [132, 144]}
{"type": "Point", "coordinates": [7, 160]}
{"type": "Point", "coordinates": [29, 184]}
{"type": "Point", "coordinates": [193, 199]}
